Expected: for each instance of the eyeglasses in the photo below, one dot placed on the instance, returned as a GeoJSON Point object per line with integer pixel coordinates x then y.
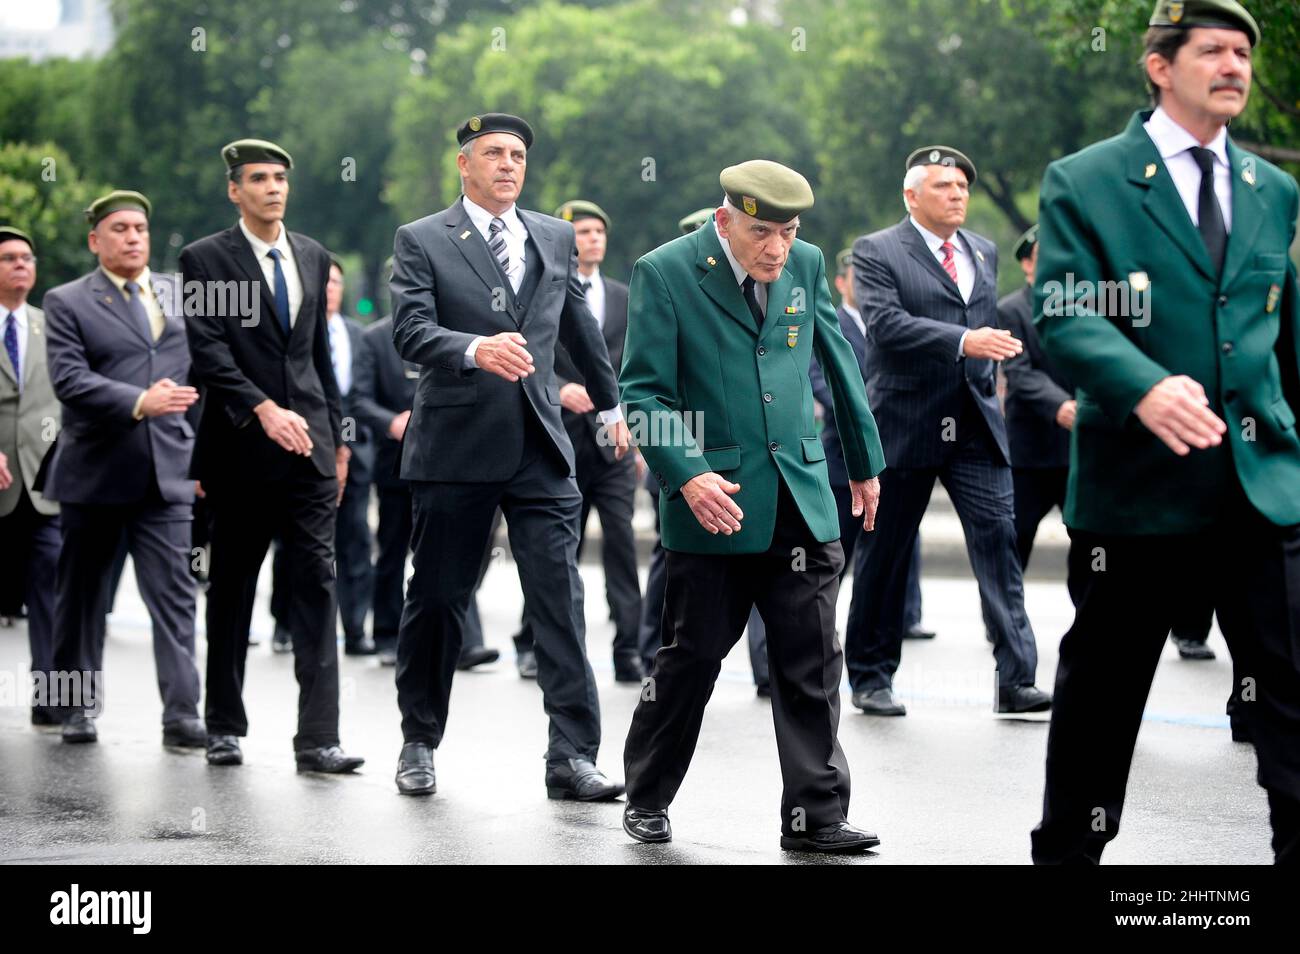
{"type": "Point", "coordinates": [26, 259]}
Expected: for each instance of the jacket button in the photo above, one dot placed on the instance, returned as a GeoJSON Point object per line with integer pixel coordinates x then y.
{"type": "Point", "coordinates": [1223, 301]}
{"type": "Point", "coordinates": [774, 447]}
{"type": "Point", "coordinates": [761, 351]}
{"type": "Point", "coordinates": [1227, 347]}
{"type": "Point", "coordinates": [1229, 396]}
{"type": "Point", "coordinates": [767, 398]}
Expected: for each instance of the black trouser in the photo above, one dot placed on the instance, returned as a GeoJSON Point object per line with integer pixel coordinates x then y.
{"type": "Point", "coordinates": [1108, 659]}
{"type": "Point", "coordinates": [29, 560]}
{"type": "Point", "coordinates": [708, 601]}
{"type": "Point", "coordinates": [452, 525]}
{"type": "Point", "coordinates": [352, 548]}
{"type": "Point", "coordinates": [394, 536]}
{"type": "Point", "coordinates": [851, 532]}
{"type": "Point", "coordinates": [300, 511]}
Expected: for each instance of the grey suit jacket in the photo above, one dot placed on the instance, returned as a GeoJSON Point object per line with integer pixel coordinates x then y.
{"type": "Point", "coordinates": [29, 421]}
{"type": "Point", "coordinates": [100, 360]}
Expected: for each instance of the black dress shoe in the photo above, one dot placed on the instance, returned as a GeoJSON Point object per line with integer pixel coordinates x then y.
{"type": "Point", "coordinates": [388, 656]}
{"type": "Point", "coordinates": [476, 656]}
{"type": "Point", "coordinates": [838, 838]}
{"type": "Point", "coordinates": [1023, 699]}
{"type": "Point", "coordinates": [327, 758]}
{"type": "Point", "coordinates": [185, 734]}
{"type": "Point", "coordinates": [282, 641]}
{"type": "Point", "coordinates": [580, 780]}
{"type": "Point", "coordinates": [881, 702]}
{"type": "Point", "coordinates": [1240, 730]}
{"type": "Point", "coordinates": [650, 825]}
{"type": "Point", "coordinates": [628, 670]}
{"type": "Point", "coordinates": [526, 663]}
{"type": "Point", "coordinates": [918, 632]}
{"type": "Point", "coordinates": [1195, 649]}
{"type": "Point", "coordinates": [763, 690]}
{"type": "Point", "coordinates": [365, 646]}
{"type": "Point", "coordinates": [79, 727]}
{"type": "Point", "coordinates": [224, 750]}
{"type": "Point", "coordinates": [415, 774]}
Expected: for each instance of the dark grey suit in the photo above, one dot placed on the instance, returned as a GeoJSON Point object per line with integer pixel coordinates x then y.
{"type": "Point", "coordinates": [114, 475]}
{"type": "Point", "coordinates": [939, 418]}
{"type": "Point", "coordinates": [477, 442]}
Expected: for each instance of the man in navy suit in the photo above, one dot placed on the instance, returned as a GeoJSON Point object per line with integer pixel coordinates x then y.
{"type": "Point", "coordinates": [928, 290]}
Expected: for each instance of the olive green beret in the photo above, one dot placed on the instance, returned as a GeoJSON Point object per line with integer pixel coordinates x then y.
{"type": "Point", "coordinates": [486, 123]}
{"type": "Point", "coordinates": [689, 223]}
{"type": "Point", "coordinates": [116, 201]}
{"type": "Point", "coordinates": [766, 190]}
{"type": "Point", "coordinates": [8, 232]}
{"type": "Point", "coordinates": [1227, 14]}
{"type": "Point", "coordinates": [254, 150]}
{"type": "Point", "coordinates": [942, 156]}
{"type": "Point", "coordinates": [843, 260]}
{"type": "Point", "coordinates": [1025, 244]}
{"type": "Point", "coordinates": [576, 209]}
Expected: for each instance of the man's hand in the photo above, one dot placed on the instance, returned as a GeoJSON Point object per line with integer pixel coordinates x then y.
{"type": "Point", "coordinates": [505, 355]}
{"type": "Point", "coordinates": [341, 457]}
{"type": "Point", "coordinates": [866, 500]}
{"type": "Point", "coordinates": [287, 428]}
{"type": "Point", "coordinates": [167, 397]}
{"type": "Point", "coordinates": [1065, 414]}
{"type": "Point", "coordinates": [618, 435]}
{"type": "Point", "coordinates": [708, 497]}
{"type": "Point", "coordinates": [6, 478]}
{"type": "Point", "coordinates": [640, 465]}
{"type": "Point", "coordinates": [574, 397]}
{"type": "Point", "coordinates": [1177, 411]}
{"type": "Point", "coordinates": [397, 426]}
{"type": "Point", "coordinates": [198, 490]}
{"type": "Point", "coordinates": [993, 343]}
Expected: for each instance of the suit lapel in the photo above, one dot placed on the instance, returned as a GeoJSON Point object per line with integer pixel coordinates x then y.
{"type": "Point", "coordinates": [985, 280]}
{"type": "Point", "coordinates": [35, 356]}
{"type": "Point", "coordinates": [462, 233]}
{"type": "Point", "coordinates": [539, 237]}
{"type": "Point", "coordinates": [1162, 201]}
{"type": "Point", "coordinates": [917, 248]}
{"type": "Point", "coordinates": [109, 297]}
{"type": "Point", "coordinates": [1247, 211]}
{"type": "Point", "coordinates": [242, 254]}
{"type": "Point", "coordinates": [719, 281]}
{"type": "Point", "coordinates": [778, 297]}
{"type": "Point", "coordinates": [301, 255]}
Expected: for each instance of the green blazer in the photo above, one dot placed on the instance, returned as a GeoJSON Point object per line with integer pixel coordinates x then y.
{"type": "Point", "coordinates": [1111, 213]}
{"type": "Point", "coordinates": [706, 391]}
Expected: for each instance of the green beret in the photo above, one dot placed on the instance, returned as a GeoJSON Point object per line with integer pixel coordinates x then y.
{"type": "Point", "coordinates": [486, 123]}
{"type": "Point", "coordinates": [1225, 14]}
{"type": "Point", "coordinates": [8, 232]}
{"type": "Point", "coordinates": [843, 260]}
{"type": "Point", "coordinates": [116, 201]}
{"type": "Point", "coordinates": [766, 190]}
{"type": "Point", "coordinates": [942, 156]}
{"type": "Point", "coordinates": [576, 209]}
{"type": "Point", "coordinates": [254, 150]}
{"type": "Point", "coordinates": [1025, 244]}
{"type": "Point", "coordinates": [695, 220]}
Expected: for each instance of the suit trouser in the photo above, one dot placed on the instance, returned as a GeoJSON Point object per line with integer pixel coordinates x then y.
{"type": "Point", "coordinates": [158, 538]}
{"type": "Point", "coordinates": [708, 601]}
{"type": "Point", "coordinates": [300, 511]}
{"type": "Point", "coordinates": [1109, 655]}
{"type": "Point", "coordinates": [452, 524]}
{"type": "Point", "coordinates": [981, 492]}
{"type": "Point", "coordinates": [394, 539]}
{"type": "Point", "coordinates": [353, 555]}
{"type": "Point", "coordinates": [473, 638]}
{"type": "Point", "coordinates": [851, 532]}
{"type": "Point", "coordinates": [29, 561]}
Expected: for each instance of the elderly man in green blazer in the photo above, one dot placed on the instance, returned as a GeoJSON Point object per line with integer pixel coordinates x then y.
{"type": "Point", "coordinates": [1165, 292]}
{"type": "Point", "coordinates": [721, 328]}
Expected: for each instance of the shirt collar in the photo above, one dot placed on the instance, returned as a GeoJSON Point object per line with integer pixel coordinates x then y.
{"type": "Point", "coordinates": [736, 268]}
{"type": "Point", "coordinates": [260, 248]}
{"type": "Point", "coordinates": [19, 313]}
{"type": "Point", "coordinates": [595, 278]}
{"type": "Point", "coordinates": [336, 321]}
{"type": "Point", "coordinates": [143, 280]}
{"type": "Point", "coordinates": [1170, 138]}
{"type": "Point", "coordinates": [482, 218]}
{"type": "Point", "coordinates": [855, 313]}
{"type": "Point", "coordinates": [933, 241]}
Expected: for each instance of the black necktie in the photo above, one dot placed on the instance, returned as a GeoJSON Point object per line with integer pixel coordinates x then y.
{"type": "Point", "coordinates": [1213, 231]}
{"type": "Point", "coordinates": [751, 299]}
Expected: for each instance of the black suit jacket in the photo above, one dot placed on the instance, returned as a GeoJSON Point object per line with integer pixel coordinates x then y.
{"type": "Point", "coordinates": [915, 318]}
{"type": "Point", "coordinates": [356, 431]}
{"type": "Point", "coordinates": [468, 424]}
{"type": "Point", "coordinates": [383, 386]}
{"type": "Point", "coordinates": [583, 427]}
{"type": "Point", "coordinates": [241, 361]}
{"type": "Point", "coordinates": [835, 467]}
{"type": "Point", "coordinates": [1036, 389]}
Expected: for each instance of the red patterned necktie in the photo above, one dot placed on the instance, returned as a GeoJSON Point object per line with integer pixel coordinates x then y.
{"type": "Point", "coordinates": [949, 263]}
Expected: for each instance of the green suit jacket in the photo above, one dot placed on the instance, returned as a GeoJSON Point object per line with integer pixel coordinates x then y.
{"type": "Point", "coordinates": [707, 391]}
{"type": "Point", "coordinates": [1111, 213]}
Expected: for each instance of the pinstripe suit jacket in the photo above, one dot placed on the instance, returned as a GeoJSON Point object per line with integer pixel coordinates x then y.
{"type": "Point", "coordinates": [915, 319]}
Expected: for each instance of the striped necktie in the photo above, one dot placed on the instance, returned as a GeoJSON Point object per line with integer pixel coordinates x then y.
{"type": "Point", "coordinates": [949, 263]}
{"type": "Point", "coordinates": [497, 242]}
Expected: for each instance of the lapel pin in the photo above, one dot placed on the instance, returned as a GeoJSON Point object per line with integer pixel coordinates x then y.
{"type": "Point", "coordinates": [979, 255]}
{"type": "Point", "coordinates": [1274, 293]}
{"type": "Point", "coordinates": [1139, 281]}
{"type": "Point", "coordinates": [791, 310]}
{"type": "Point", "coordinates": [792, 336]}
{"type": "Point", "coordinates": [1248, 176]}
{"type": "Point", "coordinates": [1150, 172]}
{"type": "Point", "coordinates": [712, 261]}
{"type": "Point", "coordinates": [464, 235]}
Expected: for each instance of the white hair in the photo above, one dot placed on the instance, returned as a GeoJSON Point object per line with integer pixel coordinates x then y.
{"type": "Point", "coordinates": [914, 179]}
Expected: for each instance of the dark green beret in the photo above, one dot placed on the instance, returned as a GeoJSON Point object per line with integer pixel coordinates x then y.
{"type": "Point", "coordinates": [254, 150]}
{"type": "Point", "coordinates": [486, 123]}
{"type": "Point", "coordinates": [576, 209]}
{"type": "Point", "coordinates": [1226, 14]}
{"type": "Point", "coordinates": [843, 260]}
{"type": "Point", "coordinates": [1025, 244]}
{"type": "Point", "coordinates": [942, 156]}
{"type": "Point", "coordinates": [688, 224]}
{"type": "Point", "coordinates": [116, 201]}
{"type": "Point", "coordinates": [766, 190]}
{"type": "Point", "coordinates": [8, 232]}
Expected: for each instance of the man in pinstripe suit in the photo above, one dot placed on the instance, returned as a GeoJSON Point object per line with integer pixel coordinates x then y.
{"type": "Point", "coordinates": [928, 290]}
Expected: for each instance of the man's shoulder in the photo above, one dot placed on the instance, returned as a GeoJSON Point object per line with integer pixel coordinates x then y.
{"type": "Point", "coordinates": [1099, 162]}
{"type": "Point", "coordinates": [614, 285]}
{"type": "Point", "coordinates": [377, 329]}
{"type": "Point", "coordinates": [306, 242]}
{"type": "Point", "coordinates": [427, 223]}
{"type": "Point", "coordinates": [678, 251]}
{"type": "Point", "coordinates": [1266, 174]}
{"type": "Point", "coordinates": [806, 255]}
{"type": "Point", "coordinates": [207, 246]}
{"type": "Point", "coordinates": [890, 235]}
{"type": "Point", "coordinates": [78, 286]}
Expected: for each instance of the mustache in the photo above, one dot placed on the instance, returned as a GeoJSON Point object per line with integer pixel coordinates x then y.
{"type": "Point", "coordinates": [1232, 83]}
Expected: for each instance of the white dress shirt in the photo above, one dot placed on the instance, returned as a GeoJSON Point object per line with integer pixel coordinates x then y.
{"type": "Point", "coordinates": [1174, 143]}
{"type": "Point", "coordinates": [595, 295]}
{"type": "Point", "coordinates": [287, 263]}
{"type": "Point", "coordinates": [340, 351]}
{"type": "Point", "coordinates": [965, 268]}
{"type": "Point", "coordinates": [760, 288]}
{"type": "Point", "coordinates": [20, 326]}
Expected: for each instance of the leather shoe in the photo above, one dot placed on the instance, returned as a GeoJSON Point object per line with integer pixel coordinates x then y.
{"type": "Point", "coordinates": [388, 656]}
{"type": "Point", "coordinates": [79, 727]}
{"type": "Point", "coordinates": [282, 641]}
{"type": "Point", "coordinates": [1192, 648]}
{"type": "Point", "coordinates": [327, 758]}
{"type": "Point", "coordinates": [365, 646]}
{"type": "Point", "coordinates": [1240, 730]}
{"type": "Point", "coordinates": [918, 632]}
{"type": "Point", "coordinates": [880, 702]}
{"type": "Point", "coordinates": [185, 734]}
{"type": "Point", "coordinates": [1023, 699]}
{"type": "Point", "coordinates": [580, 780]}
{"type": "Point", "coordinates": [476, 656]}
{"type": "Point", "coordinates": [628, 670]}
{"type": "Point", "coordinates": [224, 750]}
{"type": "Point", "coordinates": [526, 662]}
{"type": "Point", "coordinates": [837, 838]}
{"type": "Point", "coordinates": [415, 775]}
{"type": "Point", "coordinates": [763, 690]}
{"type": "Point", "coordinates": [650, 825]}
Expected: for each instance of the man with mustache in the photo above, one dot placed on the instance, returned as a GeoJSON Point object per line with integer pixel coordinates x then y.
{"type": "Point", "coordinates": [1185, 461]}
